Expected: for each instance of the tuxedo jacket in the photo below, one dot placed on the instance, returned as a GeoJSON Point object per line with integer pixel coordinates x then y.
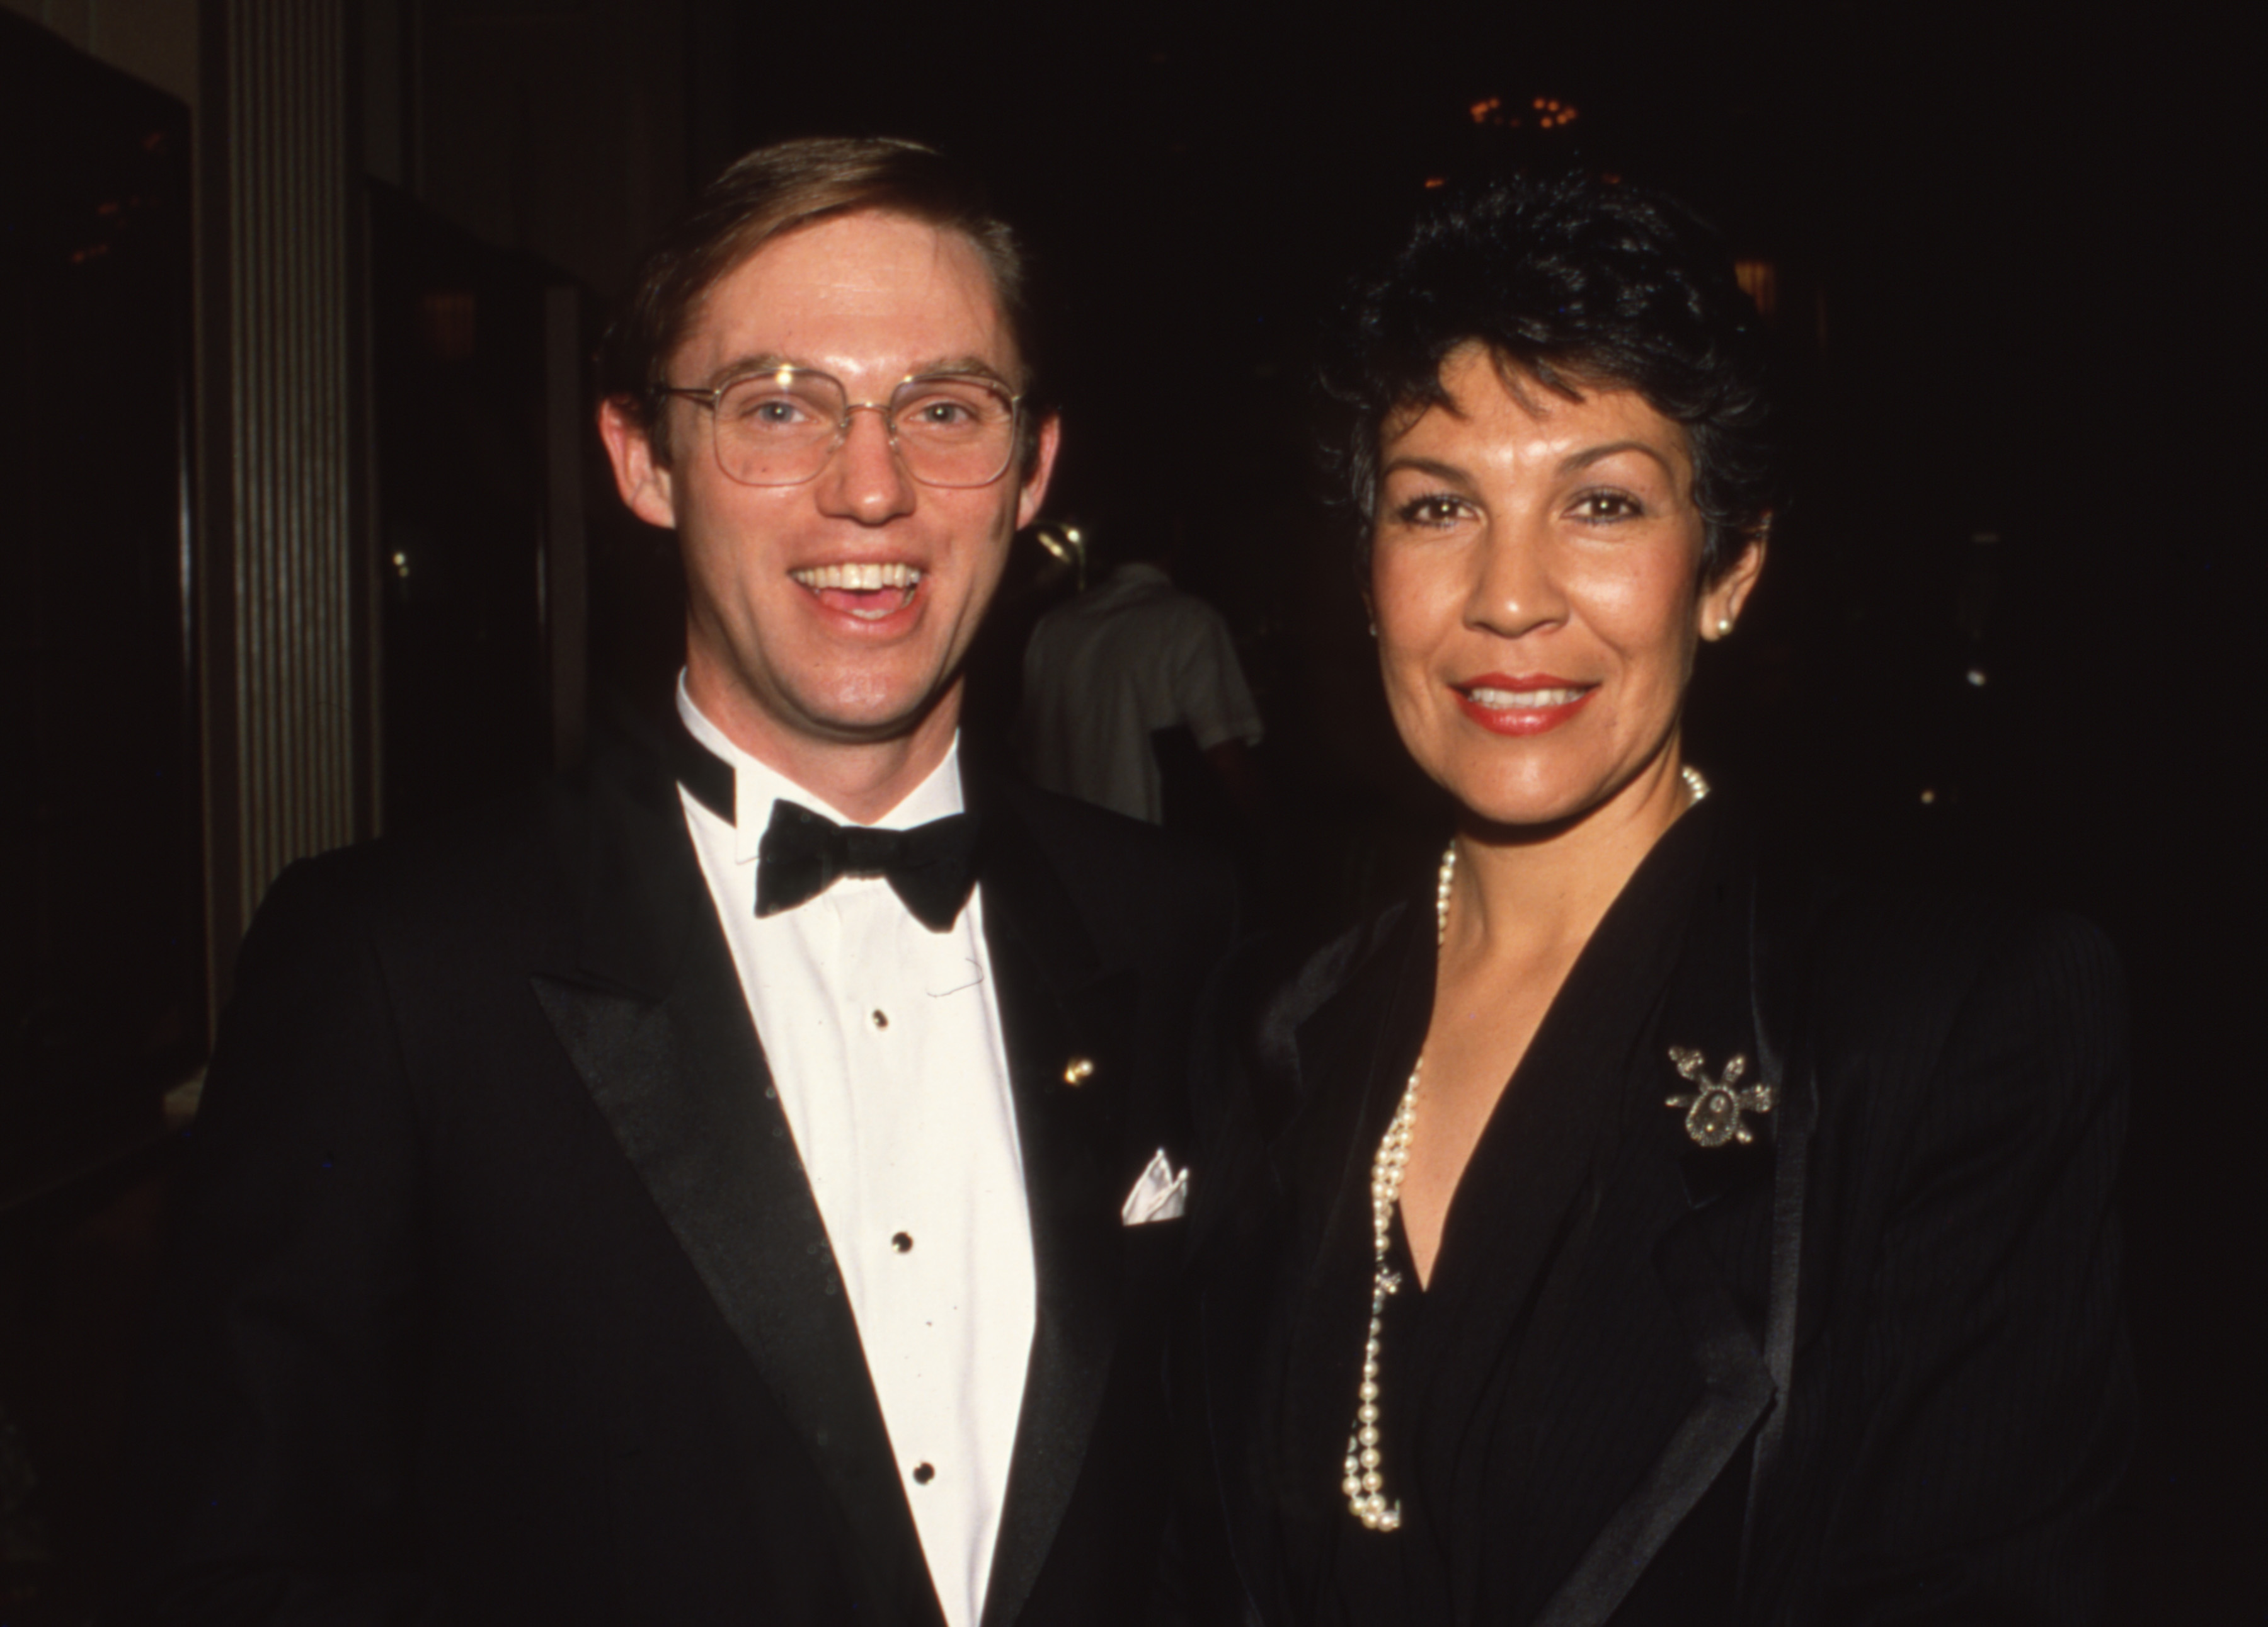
{"type": "Point", "coordinates": [1867, 1365]}
{"type": "Point", "coordinates": [499, 1292]}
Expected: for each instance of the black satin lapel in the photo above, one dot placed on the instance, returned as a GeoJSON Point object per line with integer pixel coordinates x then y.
{"type": "Point", "coordinates": [1713, 1007]}
{"type": "Point", "coordinates": [1354, 1057]}
{"type": "Point", "coordinates": [1735, 1390]}
{"type": "Point", "coordinates": [684, 1086]}
{"type": "Point", "coordinates": [1058, 1005]}
{"type": "Point", "coordinates": [1245, 1291]}
{"type": "Point", "coordinates": [1663, 1174]}
{"type": "Point", "coordinates": [642, 901]}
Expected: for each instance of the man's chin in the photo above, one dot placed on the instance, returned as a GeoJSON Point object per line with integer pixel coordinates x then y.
{"type": "Point", "coordinates": [873, 719]}
{"type": "Point", "coordinates": [853, 708]}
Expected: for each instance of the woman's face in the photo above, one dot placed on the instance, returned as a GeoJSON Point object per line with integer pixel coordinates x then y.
{"type": "Point", "coordinates": [1535, 582]}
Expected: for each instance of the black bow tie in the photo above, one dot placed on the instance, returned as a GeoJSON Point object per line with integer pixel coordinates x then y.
{"type": "Point", "coordinates": [930, 867]}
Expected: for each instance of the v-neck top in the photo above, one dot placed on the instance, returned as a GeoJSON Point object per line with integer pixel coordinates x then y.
{"type": "Point", "coordinates": [1460, 1358]}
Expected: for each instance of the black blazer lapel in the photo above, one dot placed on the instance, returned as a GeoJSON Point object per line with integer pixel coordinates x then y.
{"type": "Point", "coordinates": [1734, 1391]}
{"type": "Point", "coordinates": [1676, 1188]}
{"type": "Point", "coordinates": [1270, 1276]}
{"type": "Point", "coordinates": [1059, 1005]}
{"type": "Point", "coordinates": [655, 1022]}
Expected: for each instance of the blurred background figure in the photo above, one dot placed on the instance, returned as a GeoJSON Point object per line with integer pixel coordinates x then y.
{"type": "Point", "coordinates": [1134, 700]}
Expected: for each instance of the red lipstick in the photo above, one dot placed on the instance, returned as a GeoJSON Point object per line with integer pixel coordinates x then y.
{"type": "Point", "coordinates": [1531, 704]}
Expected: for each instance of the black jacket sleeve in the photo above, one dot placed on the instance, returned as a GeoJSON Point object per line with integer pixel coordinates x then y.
{"type": "Point", "coordinates": [274, 1434]}
{"type": "Point", "coordinates": [1984, 1407]}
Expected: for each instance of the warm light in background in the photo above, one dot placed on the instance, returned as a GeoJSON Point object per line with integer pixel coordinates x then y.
{"type": "Point", "coordinates": [1759, 279]}
{"type": "Point", "coordinates": [1550, 112]}
{"type": "Point", "coordinates": [1068, 544]}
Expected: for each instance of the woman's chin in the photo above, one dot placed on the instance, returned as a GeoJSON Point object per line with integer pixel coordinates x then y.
{"type": "Point", "coordinates": [1528, 812]}
{"type": "Point", "coordinates": [1522, 818]}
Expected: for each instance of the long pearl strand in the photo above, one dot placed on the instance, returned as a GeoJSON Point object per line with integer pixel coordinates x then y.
{"type": "Point", "coordinates": [1364, 1480]}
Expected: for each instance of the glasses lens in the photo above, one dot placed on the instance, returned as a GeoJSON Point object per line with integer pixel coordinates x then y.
{"type": "Point", "coordinates": [778, 429]}
{"type": "Point", "coordinates": [954, 432]}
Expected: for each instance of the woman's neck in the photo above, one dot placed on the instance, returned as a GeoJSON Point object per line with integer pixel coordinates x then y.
{"type": "Point", "coordinates": [1524, 895]}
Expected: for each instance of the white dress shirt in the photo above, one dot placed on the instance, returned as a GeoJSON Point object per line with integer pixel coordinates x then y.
{"type": "Point", "coordinates": [884, 1045]}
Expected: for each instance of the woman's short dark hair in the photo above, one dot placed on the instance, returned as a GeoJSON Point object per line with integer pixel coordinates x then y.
{"type": "Point", "coordinates": [1579, 283]}
{"type": "Point", "coordinates": [772, 191]}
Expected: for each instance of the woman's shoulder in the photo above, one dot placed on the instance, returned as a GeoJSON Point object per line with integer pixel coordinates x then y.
{"type": "Point", "coordinates": [1306, 976]}
{"type": "Point", "coordinates": [1295, 994]}
{"type": "Point", "coordinates": [1959, 1019]}
{"type": "Point", "coordinates": [1850, 927]}
{"type": "Point", "coordinates": [1895, 944]}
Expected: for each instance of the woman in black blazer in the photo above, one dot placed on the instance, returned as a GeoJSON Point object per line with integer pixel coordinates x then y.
{"type": "Point", "coordinates": [1649, 1233]}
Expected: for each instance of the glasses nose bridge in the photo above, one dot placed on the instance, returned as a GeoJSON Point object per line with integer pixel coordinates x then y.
{"type": "Point", "coordinates": [888, 409]}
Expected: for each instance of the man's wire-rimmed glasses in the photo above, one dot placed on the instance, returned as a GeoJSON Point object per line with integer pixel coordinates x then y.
{"type": "Point", "coordinates": [779, 428]}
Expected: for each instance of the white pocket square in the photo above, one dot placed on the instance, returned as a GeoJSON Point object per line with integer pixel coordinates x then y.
{"type": "Point", "coordinates": [1161, 1193]}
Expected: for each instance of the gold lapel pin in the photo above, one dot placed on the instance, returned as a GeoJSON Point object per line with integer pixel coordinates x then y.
{"type": "Point", "coordinates": [1713, 1111]}
{"type": "Point", "coordinates": [1078, 1070]}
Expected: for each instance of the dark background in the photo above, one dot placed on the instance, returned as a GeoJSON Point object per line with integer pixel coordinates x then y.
{"type": "Point", "coordinates": [2022, 344]}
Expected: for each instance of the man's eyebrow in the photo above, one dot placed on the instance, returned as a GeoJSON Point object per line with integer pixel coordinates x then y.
{"type": "Point", "coordinates": [749, 367]}
{"type": "Point", "coordinates": [962, 367]}
{"type": "Point", "coordinates": [771, 361]}
{"type": "Point", "coordinates": [1589, 455]}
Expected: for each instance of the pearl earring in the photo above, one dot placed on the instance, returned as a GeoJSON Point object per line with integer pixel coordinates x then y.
{"type": "Point", "coordinates": [1724, 627]}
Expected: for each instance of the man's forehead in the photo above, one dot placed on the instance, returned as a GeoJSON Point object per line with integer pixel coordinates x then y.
{"type": "Point", "coordinates": [854, 294]}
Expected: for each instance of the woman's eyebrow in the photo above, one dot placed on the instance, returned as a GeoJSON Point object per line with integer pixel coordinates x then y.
{"type": "Point", "coordinates": [1583, 460]}
{"type": "Point", "coordinates": [1427, 466]}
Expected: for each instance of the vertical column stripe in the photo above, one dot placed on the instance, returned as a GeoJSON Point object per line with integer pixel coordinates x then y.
{"type": "Point", "coordinates": [290, 174]}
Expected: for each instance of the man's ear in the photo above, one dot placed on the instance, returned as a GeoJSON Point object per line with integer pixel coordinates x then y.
{"type": "Point", "coordinates": [1034, 488]}
{"type": "Point", "coordinates": [1722, 600]}
{"type": "Point", "coordinates": [643, 480]}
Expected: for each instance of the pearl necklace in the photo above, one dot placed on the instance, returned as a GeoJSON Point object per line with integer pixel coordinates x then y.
{"type": "Point", "coordinates": [1363, 1479]}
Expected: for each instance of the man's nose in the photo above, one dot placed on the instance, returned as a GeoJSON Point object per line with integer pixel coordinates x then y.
{"type": "Point", "coordinates": [866, 480]}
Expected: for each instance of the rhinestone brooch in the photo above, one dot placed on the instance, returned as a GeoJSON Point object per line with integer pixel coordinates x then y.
{"type": "Point", "coordinates": [1713, 1108]}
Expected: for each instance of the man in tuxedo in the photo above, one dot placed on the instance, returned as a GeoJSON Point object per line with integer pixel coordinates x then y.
{"type": "Point", "coordinates": [738, 1182]}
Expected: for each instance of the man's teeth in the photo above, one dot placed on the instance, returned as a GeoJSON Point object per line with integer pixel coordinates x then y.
{"type": "Point", "coordinates": [1498, 700]}
{"type": "Point", "coordinates": [858, 579]}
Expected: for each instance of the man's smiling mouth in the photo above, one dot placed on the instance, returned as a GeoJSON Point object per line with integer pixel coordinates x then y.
{"type": "Point", "coordinates": [870, 591]}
